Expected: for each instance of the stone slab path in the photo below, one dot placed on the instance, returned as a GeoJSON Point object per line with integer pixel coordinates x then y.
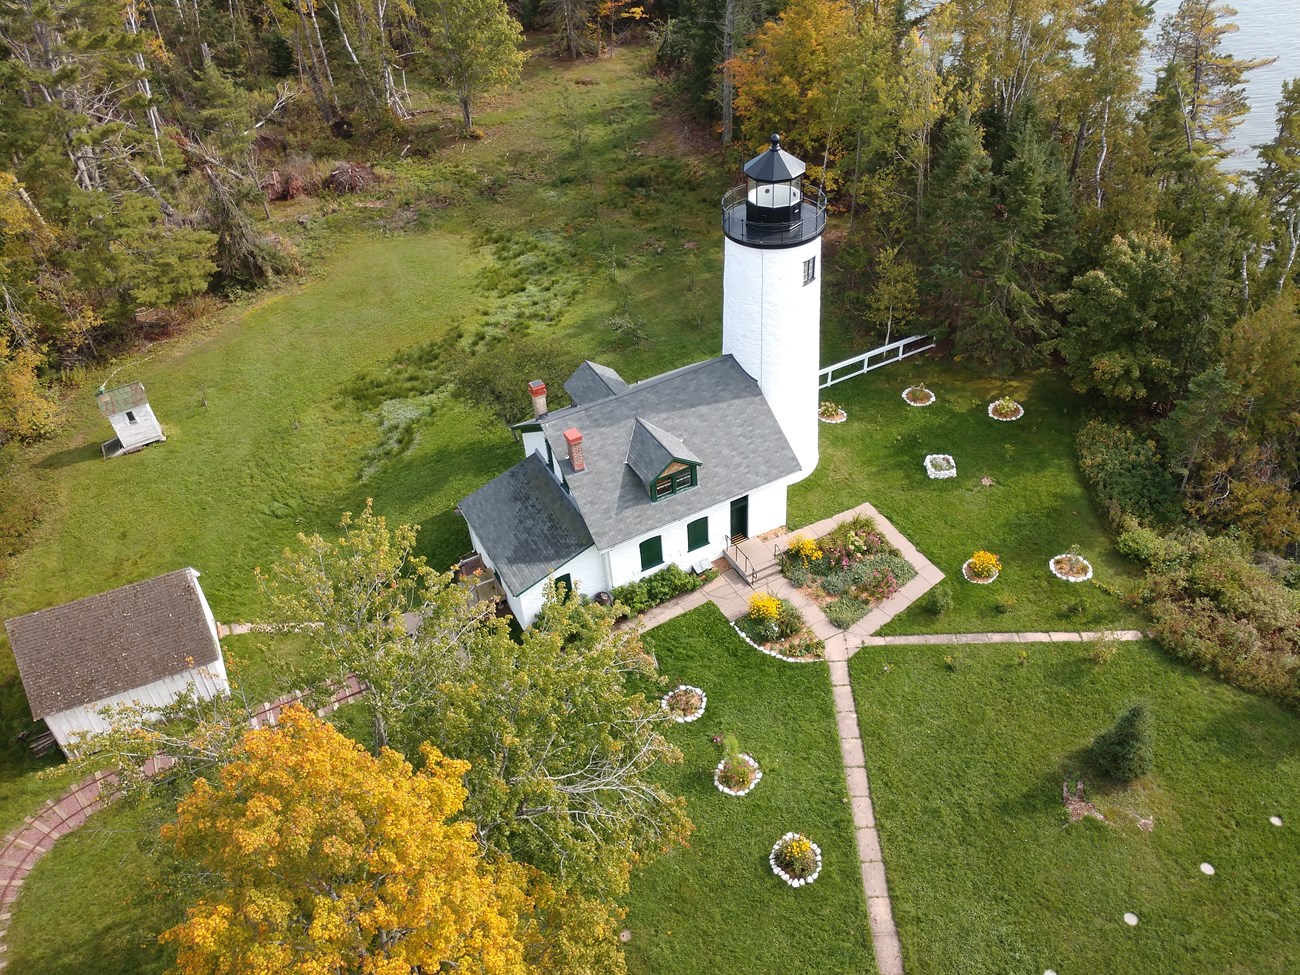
{"type": "Point", "coordinates": [22, 848]}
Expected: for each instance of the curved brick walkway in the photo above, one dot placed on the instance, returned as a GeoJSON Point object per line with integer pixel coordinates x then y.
{"type": "Point", "coordinates": [22, 848]}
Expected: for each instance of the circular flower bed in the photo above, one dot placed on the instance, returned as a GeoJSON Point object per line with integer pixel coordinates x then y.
{"type": "Point", "coordinates": [737, 778]}
{"type": "Point", "coordinates": [829, 412]}
{"type": "Point", "coordinates": [981, 568]}
{"type": "Point", "coordinates": [939, 466]}
{"type": "Point", "coordinates": [1071, 567]}
{"type": "Point", "coordinates": [918, 396]}
{"type": "Point", "coordinates": [796, 859]}
{"type": "Point", "coordinates": [685, 703]}
{"type": "Point", "coordinates": [1006, 409]}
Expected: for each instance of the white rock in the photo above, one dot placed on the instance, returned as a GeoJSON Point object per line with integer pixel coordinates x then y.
{"type": "Point", "coordinates": [1131, 919]}
{"type": "Point", "coordinates": [1275, 820]}
{"type": "Point", "coordinates": [1207, 869]}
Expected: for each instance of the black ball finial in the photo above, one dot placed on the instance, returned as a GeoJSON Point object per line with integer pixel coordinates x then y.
{"type": "Point", "coordinates": [776, 142]}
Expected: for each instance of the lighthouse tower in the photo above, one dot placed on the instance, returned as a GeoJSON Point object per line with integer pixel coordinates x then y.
{"type": "Point", "coordinates": [771, 291]}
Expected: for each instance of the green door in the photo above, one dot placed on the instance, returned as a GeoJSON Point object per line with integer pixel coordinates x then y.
{"type": "Point", "coordinates": [740, 518]}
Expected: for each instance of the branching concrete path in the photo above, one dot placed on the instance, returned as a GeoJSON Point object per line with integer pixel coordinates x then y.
{"type": "Point", "coordinates": [20, 850]}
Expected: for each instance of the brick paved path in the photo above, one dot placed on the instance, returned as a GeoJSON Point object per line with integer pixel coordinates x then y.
{"type": "Point", "coordinates": [22, 848]}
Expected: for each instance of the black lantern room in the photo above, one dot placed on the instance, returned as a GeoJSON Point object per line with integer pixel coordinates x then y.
{"type": "Point", "coordinates": [770, 210]}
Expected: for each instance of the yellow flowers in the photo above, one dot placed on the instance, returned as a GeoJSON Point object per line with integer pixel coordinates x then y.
{"type": "Point", "coordinates": [984, 564]}
{"type": "Point", "coordinates": [764, 607]}
{"type": "Point", "coordinates": [805, 549]}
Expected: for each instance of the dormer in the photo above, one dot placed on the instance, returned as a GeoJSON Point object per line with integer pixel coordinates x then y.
{"type": "Point", "coordinates": [664, 464]}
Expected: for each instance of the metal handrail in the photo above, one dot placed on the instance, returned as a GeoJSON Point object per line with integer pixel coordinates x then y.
{"type": "Point", "coordinates": [811, 223]}
{"type": "Point", "coordinates": [747, 572]}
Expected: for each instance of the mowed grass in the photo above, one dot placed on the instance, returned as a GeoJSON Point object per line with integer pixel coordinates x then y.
{"type": "Point", "coordinates": [986, 875]}
{"type": "Point", "coordinates": [716, 906]}
{"type": "Point", "coordinates": [266, 434]}
{"type": "Point", "coordinates": [94, 904]}
{"type": "Point", "coordinates": [1035, 507]}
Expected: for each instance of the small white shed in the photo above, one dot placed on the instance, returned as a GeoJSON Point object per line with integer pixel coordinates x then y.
{"type": "Point", "coordinates": [147, 643]}
{"type": "Point", "coordinates": [127, 409]}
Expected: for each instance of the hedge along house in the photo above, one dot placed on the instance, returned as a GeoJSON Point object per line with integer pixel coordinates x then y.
{"type": "Point", "coordinates": [127, 409]}
{"type": "Point", "coordinates": [673, 469]}
{"type": "Point", "coordinates": [148, 642]}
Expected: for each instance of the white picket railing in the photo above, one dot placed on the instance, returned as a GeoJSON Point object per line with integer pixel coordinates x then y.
{"type": "Point", "coordinates": [882, 356]}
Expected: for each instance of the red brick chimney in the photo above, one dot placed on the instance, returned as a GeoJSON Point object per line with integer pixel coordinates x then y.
{"type": "Point", "coordinates": [537, 389]}
{"type": "Point", "coordinates": [574, 439]}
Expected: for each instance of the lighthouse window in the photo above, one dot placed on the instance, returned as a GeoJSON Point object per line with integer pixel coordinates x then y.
{"type": "Point", "coordinates": [810, 270]}
{"type": "Point", "coordinates": [130, 417]}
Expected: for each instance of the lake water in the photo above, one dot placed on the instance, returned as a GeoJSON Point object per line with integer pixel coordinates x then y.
{"type": "Point", "coordinates": [1268, 28]}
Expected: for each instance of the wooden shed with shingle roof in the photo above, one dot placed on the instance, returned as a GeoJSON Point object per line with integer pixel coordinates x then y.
{"type": "Point", "coordinates": [147, 642]}
{"type": "Point", "coordinates": [127, 409]}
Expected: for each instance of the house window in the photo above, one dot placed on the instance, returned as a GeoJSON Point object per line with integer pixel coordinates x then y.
{"type": "Point", "coordinates": [652, 552]}
{"type": "Point", "coordinates": [697, 534]}
{"type": "Point", "coordinates": [130, 417]}
{"type": "Point", "coordinates": [674, 482]}
{"type": "Point", "coordinates": [810, 270]}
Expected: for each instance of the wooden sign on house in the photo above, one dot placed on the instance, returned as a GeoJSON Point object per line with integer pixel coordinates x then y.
{"type": "Point", "coordinates": [127, 409]}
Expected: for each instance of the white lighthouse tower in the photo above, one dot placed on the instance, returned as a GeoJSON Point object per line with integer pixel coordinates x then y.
{"type": "Point", "coordinates": [771, 291]}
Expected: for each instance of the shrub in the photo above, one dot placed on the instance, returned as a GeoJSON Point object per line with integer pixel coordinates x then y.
{"type": "Point", "coordinates": [764, 607]}
{"type": "Point", "coordinates": [804, 646]}
{"type": "Point", "coordinates": [846, 611]}
{"type": "Point", "coordinates": [736, 773]}
{"type": "Point", "coordinates": [1125, 474]}
{"type": "Point", "coordinates": [1123, 751]}
{"type": "Point", "coordinates": [649, 592]}
{"type": "Point", "coordinates": [789, 620]}
{"type": "Point", "coordinates": [798, 575]}
{"type": "Point", "coordinates": [796, 857]}
{"type": "Point", "coordinates": [1101, 651]}
{"type": "Point", "coordinates": [939, 601]}
{"type": "Point", "coordinates": [984, 564]}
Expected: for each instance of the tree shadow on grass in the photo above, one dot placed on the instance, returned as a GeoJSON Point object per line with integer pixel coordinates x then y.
{"type": "Point", "coordinates": [71, 456]}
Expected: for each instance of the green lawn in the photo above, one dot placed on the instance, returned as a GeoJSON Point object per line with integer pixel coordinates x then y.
{"type": "Point", "coordinates": [267, 433]}
{"type": "Point", "coordinates": [966, 769]}
{"type": "Point", "coordinates": [93, 904]}
{"type": "Point", "coordinates": [1036, 506]}
{"type": "Point", "coordinates": [716, 906]}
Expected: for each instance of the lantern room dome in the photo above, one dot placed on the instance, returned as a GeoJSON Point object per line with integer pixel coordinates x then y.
{"type": "Point", "coordinates": [774, 165]}
{"type": "Point", "coordinates": [772, 209]}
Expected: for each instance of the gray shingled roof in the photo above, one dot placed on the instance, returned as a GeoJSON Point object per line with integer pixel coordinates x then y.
{"type": "Point", "coordinates": [85, 651]}
{"type": "Point", "coordinates": [653, 449]}
{"type": "Point", "coordinates": [591, 382]}
{"type": "Point", "coordinates": [713, 405]}
{"type": "Point", "coordinates": [526, 523]}
{"type": "Point", "coordinates": [121, 399]}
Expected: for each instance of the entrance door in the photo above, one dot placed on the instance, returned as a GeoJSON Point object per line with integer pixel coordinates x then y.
{"type": "Point", "coordinates": [740, 519]}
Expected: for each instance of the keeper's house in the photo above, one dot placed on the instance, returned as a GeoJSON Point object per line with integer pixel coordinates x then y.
{"type": "Point", "coordinates": [148, 643]}
{"type": "Point", "coordinates": [675, 468]}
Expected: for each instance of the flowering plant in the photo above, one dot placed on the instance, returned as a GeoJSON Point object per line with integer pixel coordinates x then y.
{"type": "Point", "coordinates": [1006, 409]}
{"type": "Point", "coordinates": [828, 410]}
{"type": "Point", "coordinates": [918, 396]}
{"type": "Point", "coordinates": [804, 549]}
{"type": "Point", "coordinates": [984, 564]}
{"type": "Point", "coordinates": [796, 860]}
{"type": "Point", "coordinates": [764, 607]}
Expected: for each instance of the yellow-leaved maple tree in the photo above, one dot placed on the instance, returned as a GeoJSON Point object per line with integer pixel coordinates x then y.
{"type": "Point", "coordinates": [324, 859]}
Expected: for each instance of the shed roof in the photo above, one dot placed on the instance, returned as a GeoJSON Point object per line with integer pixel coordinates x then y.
{"type": "Point", "coordinates": [526, 523]}
{"type": "Point", "coordinates": [591, 381]}
{"type": "Point", "coordinates": [715, 406]}
{"type": "Point", "coordinates": [84, 651]}
{"type": "Point", "coordinates": [653, 449]}
{"type": "Point", "coordinates": [123, 398]}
